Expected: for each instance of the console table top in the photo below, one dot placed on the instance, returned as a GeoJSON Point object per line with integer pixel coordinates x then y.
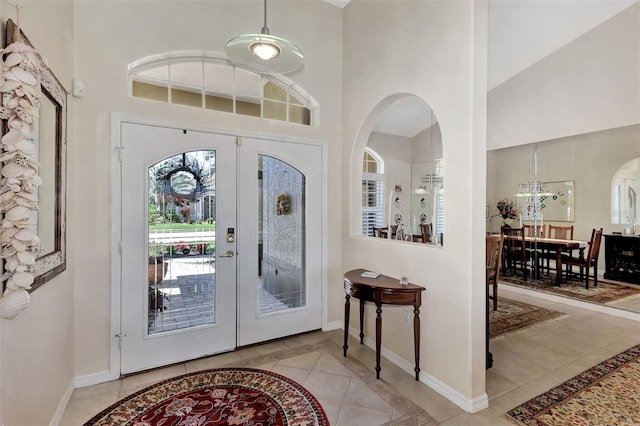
{"type": "Point", "coordinates": [383, 281]}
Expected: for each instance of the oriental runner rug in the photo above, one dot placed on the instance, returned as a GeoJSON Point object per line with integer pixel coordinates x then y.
{"type": "Point", "coordinates": [607, 394]}
{"type": "Point", "coordinates": [604, 293]}
{"type": "Point", "coordinates": [222, 396]}
{"type": "Point", "coordinates": [513, 316]}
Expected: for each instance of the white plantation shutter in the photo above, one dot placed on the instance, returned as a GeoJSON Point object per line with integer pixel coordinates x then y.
{"type": "Point", "coordinates": [372, 204]}
{"type": "Point", "coordinates": [440, 212]}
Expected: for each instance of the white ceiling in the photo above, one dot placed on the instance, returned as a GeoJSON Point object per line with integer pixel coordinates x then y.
{"type": "Point", "coordinates": [521, 33]}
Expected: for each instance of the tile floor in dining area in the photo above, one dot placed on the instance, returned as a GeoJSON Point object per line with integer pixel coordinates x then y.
{"type": "Point", "coordinates": [526, 363]}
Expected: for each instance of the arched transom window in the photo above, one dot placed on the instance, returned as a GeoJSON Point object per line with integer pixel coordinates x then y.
{"type": "Point", "coordinates": [214, 83]}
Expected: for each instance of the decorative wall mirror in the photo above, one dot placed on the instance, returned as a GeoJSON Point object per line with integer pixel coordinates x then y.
{"type": "Point", "coordinates": [403, 179]}
{"type": "Point", "coordinates": [50, 138]}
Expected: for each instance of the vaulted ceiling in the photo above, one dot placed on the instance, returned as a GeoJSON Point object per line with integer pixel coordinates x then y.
{"type": "Point", "coordinates": [521, 33]}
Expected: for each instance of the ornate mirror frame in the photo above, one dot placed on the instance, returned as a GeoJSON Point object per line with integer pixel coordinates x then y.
{"type": "Point", "coordinates": [53, 260]}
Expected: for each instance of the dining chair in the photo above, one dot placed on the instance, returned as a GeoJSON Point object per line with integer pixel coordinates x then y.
{"type": "Point", "coordinates": [559, 233]}
{"type": "Point", "coordinates": [379, 232]}
{"type": "Point", "coordinates": [515, 252]}
{"type": "Point", "coordinates": [534, 230]}
{"type": "Point", "coordinates": [494, 258]}
{"type": "Point", "coordinates": [538, 231]}
{"type": "Point", "coordinates": [590, 260]}
{"type": "Point", "coordinates": [426, 229]}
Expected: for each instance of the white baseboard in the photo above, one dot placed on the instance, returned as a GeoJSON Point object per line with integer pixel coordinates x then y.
{"type": "Point", "coordinates": [64, 401]}
{"type": "Point", "coordinates": [470, 405]}
{"type": "Point", "coordinates": [92, 379]}
{"type": "Point", "coordinates": [333, 325]}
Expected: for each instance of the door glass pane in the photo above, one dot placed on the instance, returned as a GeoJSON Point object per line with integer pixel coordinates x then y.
{"type": "Point", "coordinates": [281, 236]}
{"type": "Point", "coordinates": [182, 242]}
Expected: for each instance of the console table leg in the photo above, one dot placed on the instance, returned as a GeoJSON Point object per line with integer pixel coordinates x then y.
{"type": "Point", "coordinates": [378, 338]}
{"type": "Point", "coordinates": [347, 306]}
{"type": "Point", "coordinates": [416, 338]}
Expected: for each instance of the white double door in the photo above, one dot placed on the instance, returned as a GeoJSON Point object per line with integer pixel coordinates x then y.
{"type": "Point", "coordinates": [220, 243]}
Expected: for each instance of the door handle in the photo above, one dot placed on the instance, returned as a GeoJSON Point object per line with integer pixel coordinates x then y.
{"type": "Point", "coordinates": [229, 253]}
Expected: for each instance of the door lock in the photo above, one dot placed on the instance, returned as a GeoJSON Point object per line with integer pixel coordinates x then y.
{"type": "Point", "coordinates": [229, 253]}
{"type": "Point", "coordinates": [230, 235]}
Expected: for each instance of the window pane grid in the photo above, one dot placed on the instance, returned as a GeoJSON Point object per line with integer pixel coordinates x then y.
{"type": "Point", "coordinates": [205, 84]}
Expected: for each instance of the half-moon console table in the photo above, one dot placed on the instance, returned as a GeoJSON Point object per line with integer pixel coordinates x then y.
{"type": "Point", "coordinates": [381, 290]}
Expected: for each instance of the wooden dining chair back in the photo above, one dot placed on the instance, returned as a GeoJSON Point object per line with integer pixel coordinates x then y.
{"type": "Point", "coordinates": [379, 232]}
{"type": "Point", "coordinates": [591, 260]}
{"type": "Point", "coordinates": [494, 259]}
{"type": "Point", "coordinates": [426, 229]}
{"type": "Point", "coordinates": [534, 230]}
{"type": "Point", "coordinates": [515, 252]}
{"type": "Point", "coordinates": [561, 232]}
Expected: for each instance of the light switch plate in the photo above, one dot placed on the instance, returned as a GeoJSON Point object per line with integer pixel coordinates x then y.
{"type": "Point", "coordinates": [78, 88]}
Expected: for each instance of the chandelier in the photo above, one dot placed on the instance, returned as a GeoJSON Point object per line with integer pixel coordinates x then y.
{"type": "Point", "coordinates": [264, 53]}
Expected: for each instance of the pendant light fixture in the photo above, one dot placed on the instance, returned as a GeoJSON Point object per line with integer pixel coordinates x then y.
{"type": "Point", "coordinates": [264, 53]}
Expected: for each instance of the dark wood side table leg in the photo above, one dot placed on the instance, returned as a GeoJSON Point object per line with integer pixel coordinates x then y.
{"type": "Point", "coordinates": [416, 338]}
{"type": "Point", "coordinates": [361, 322]}
{"type": "Point", "coordinates": [347, 306]}
{"type": "Point", "coordinates": [378, 338]}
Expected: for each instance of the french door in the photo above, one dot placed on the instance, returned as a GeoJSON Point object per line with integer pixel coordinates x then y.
{"type": "Point", "coordinates": [280, 250]}
{"type": "Point", "coordinates": [220, 243]}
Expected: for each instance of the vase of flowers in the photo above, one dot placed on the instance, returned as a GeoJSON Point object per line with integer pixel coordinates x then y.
{"type": "Point", "coordinates": [506, 211]}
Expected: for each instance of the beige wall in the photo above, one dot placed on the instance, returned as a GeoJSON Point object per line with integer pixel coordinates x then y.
{"type": "Point", "coordinates": [591, 84]}
{"type": "Point", "coordinates": [581, 104]}
{"type": "Point", "coordinates": [590, 160]}
{"type": "Point", "coordinates": [122, 32]}
{"type": "Point", "coordinates": [68, 321]}
{"type": "Point", "coordinates": [36, 355]}
{"type": "Point", "coordinates": [427, 49]}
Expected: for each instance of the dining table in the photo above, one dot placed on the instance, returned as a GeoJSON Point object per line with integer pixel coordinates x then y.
{"type": "Point", "coordinates": [557, 246]}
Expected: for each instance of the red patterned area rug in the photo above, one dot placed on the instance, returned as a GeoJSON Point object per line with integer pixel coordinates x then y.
{"type": "Point", "coordinates": [513, 316]}
{"type": "Point", "coordinates": [222, 396]}
{"type": "Point", "coordinates": [607, 394]}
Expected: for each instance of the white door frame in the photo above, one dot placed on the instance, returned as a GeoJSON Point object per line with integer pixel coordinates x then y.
{"type": "Point", "coordinates": [116, 221]}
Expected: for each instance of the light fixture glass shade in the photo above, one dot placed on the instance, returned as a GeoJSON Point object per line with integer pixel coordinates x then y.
{"type": "Point", "coordinates": [264, 53]}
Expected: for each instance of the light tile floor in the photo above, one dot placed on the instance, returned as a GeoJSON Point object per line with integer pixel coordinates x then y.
{"type": "Point", "coordinates": [526, 363]}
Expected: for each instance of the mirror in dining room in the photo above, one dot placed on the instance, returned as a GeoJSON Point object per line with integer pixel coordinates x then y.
{"type": "Point", "coordinates": [403, 175]}
{"type": "Point", "coordinates": [49, 137]}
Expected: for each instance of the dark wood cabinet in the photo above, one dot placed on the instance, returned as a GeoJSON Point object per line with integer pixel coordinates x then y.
{"type": "Point", "coordinates": [622, 258]}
